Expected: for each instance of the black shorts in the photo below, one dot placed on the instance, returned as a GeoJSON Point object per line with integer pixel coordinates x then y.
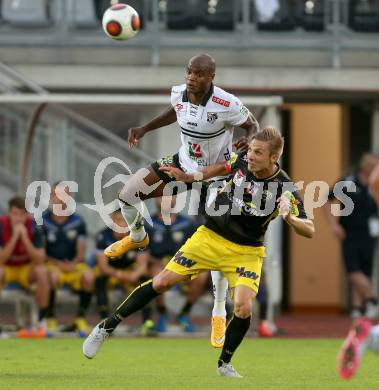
{"type": "Point", "coordinates": [174, 161]}
{"type": "Point", "coordinates": [359, 255]}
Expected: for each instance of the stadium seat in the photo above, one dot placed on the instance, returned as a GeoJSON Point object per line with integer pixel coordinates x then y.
{"type": "Point", "coordinates": [27, 13]}
{"type": "Point", "coordinates": [82, 13]}
{"type": "Point", "coordinates": [220, 15]}
{"type": "Point", "coordinates": [313, 15]}
{"type": "Point", "coordinates": [25, 307]}
{"type": "Point", "coordinates": [364, 15]}
{"type": "Point", "coordinates": [275, 15]}
{"type": "Point", "coordinates": [183, 15]}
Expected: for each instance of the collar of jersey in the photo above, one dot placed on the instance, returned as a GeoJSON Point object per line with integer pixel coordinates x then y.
{"type": "Point", "coordinates": [49, 215]}
{"type": "Point", "coordinates": [205, 98]}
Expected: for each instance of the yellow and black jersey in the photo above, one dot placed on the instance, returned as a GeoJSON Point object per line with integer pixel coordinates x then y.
{"type": "Point", "coordinates": [246, 205]}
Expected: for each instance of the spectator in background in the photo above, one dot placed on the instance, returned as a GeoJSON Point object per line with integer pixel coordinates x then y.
{"type": "Point", "coordinates": [65, 250]}
{"type": "Point", "coordinates": [169, 232]}
{"type": "Point", "coordinates": [362, 337]}
{"type": "Point", "coordinates": [22, 256]}
{"type": "Point", "coordinates": [358, 240]}
{"type": "Point", "coordinates": [126, 271]}
{"type": "Point", "coordinates": [264, 328]}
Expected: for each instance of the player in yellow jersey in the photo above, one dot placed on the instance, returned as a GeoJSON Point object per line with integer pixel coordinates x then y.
{"type": "Point", "coordinates": [231, 240]}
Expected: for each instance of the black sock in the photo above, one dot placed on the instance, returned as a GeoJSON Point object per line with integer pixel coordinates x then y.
{"type": "Point", "coordinates": [262, 298]}
{"type": "Point", "coordinates": [102, 296]}
{"type": "Point", "coordinates": [146, 313]}
{"type": "Point", "coordinates": [42, 313]}
{"type": "Point", "coordinates": [51, 308]}
{"type": "Point", "coordinates": [84, 302]}
{"type": "Point", "coordinates": [235, 332]}
{"type": "Point", "coordinates": [136, 300]}
{"type": "Point", "coordinates": [186, 308]}
{"type": "Point", "coordinates": [263, 311]}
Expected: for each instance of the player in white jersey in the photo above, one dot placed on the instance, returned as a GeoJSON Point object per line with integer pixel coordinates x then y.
{"type": "Point", "coordinates": [206, 116]}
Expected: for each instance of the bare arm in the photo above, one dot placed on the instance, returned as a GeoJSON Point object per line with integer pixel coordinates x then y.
{"type": "Point", "coordinates": [36, 255]}
{"type": "Point", "coordinates": [303, 227]}
{"type": "Point", "coordinates": [8, 249]}
{"type": "Point", "coordinates": [251, 126]}
{"type": "Point", "coordinates": [103, 264]}
{"type": "Point", "coordinates": [164, 119]}
{"type": "Point", "coordinates": [126, 276]}
{"type": "Point", "coordinates": [80, 251]}
{"type": "Point", "coordinates": [337, 229]}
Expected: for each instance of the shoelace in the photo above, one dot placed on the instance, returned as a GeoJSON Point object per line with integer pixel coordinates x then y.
{"type": "Point", "coordinates": [100, 336]}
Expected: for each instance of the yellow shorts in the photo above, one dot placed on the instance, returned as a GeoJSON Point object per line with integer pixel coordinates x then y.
{"type": "Point", "coordinates": [73, 278]}
{"type": "Point", "coordinates": [206, 250]}
{"type": "Point", "coordinates": [18, 274]}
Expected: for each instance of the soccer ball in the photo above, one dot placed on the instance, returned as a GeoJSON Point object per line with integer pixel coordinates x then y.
{"type": "Point", "coordinates": [121, 22]}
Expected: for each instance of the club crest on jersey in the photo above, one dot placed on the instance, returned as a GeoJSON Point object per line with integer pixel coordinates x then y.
{"type": "Point", "coordinates": [239, 178]}
{"type": "Point", "coordinates": [179, 107]}
{"type": "Point", "coordinates": [211, 117]}
{"type": "Point", "coordinates": [194, 150]}
{"type": "Point", "coordinates": [220, 101]}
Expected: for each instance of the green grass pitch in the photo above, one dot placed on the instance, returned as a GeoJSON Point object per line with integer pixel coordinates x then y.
{"type": "Point", "coordinates": [177, 364]}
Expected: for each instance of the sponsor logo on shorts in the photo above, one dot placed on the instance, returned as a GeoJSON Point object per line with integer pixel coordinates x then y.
{"type": "Point", "coordinates": [183, 261]}
{"type": "Point", "coordinates": [246, 274]}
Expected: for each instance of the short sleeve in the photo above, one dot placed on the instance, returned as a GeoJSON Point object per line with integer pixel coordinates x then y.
{"type": "Point", "coordinates": [175, 97]}
{"type": "Point", "coordinates": [82, 230]}
{"type": "Point", "coordinates": [238, 113]}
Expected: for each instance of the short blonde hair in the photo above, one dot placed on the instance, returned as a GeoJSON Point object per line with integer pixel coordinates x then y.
{"type": "Point", "coordinates": [273, 136]}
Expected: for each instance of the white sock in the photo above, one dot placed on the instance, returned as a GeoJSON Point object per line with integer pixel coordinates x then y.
{"type": "Point", "coordinates": [374, 338]}
{"type": "Point", "coordinates": [134, 220]}
{"type": "Point", "coordinates": [220, 288]}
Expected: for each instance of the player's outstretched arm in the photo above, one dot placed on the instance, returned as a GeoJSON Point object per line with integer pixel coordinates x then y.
{"type": "Point", "coordinates": [251, 126]}
{"type": "Point", "coordinates": [303, 227]}
{"type": "Point", "coordinates": [220, 169]}
{"type": "Point", "coordinates": [136, 133]}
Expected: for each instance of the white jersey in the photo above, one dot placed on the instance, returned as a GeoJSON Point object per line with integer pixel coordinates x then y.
{"type": "Point", "coordinates": [207, 129]}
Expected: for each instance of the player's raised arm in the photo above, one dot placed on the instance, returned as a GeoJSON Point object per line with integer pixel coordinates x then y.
{"type": "Point", "coordinates": [220, 169]}
{"type": "Point", "coordinates": [136, 133]}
